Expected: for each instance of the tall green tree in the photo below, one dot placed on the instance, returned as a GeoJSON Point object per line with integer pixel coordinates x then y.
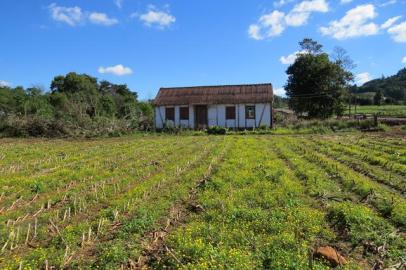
{"type": "Point", "coordinates": [13, 100]}
{"type": "Point", "coordinates": [316, 85]}
{"type": "Point", "coordinates": [378, 98]}
{"type": "Point", "coordinates": [124, 99]}
{"type": "Point", "coordinates": [38, 103]}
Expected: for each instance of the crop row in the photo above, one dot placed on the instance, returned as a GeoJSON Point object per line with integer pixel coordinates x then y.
{"type": "Point", "coordinates": [256, 216]}
{"type": "Point", "coordinates": [271, 202]}
{"type": "Point", "coordinates": [353, 220]}
{"type": "Point", "coordinates": [389, 204]}
{"type": "Point", "coordinates": [58, 236]}
{"type": "Point", "coordinates": [63, 210]}
{"type": "Point", "coordinates": [28, 190]}
{"type": "Point", "coordinates": [386, 161]}
{"type": "Point", "coordinates": [67, 157]}
{"type": "Point", "coordinates": [268, 204]}
{"type": "Point", "coordinates": [40, 155]}
{"type": "Point", "coordinates": [377, 173]}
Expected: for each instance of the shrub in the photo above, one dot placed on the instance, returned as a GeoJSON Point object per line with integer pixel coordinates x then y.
{"type": "Point", "coordinates": [216, 130]}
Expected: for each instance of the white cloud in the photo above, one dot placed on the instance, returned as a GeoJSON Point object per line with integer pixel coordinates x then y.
{"type": "Point", "coordinates": [398, 32]}
{"type": "Point", "coordinates": [274, 23]}
{"type": "Point", "coordinates": [118, 3]}
{"type": "Point", "coordinates": [269, 25]}
{"type": "Point", "coordinates": [345, 1]}
{"type": "Point", "coordinates": [362, 78]}
{"type": "Point", "coordinates": [390, 22]}
{"type": "Point", "coordinates": [355, 23]}
{"type": "Point", "coordinates": [404, 60]}
{"type": "Point", "coordinates": [297, 18]}
{"type": "Point", "coordinates": [311, 6]}
{"type": "Point", "coordinates": [102, 18]}
{"type": "Point", "coordinates": [388, 3]}
{"type": "Point", "coordinates": [74, 16]}
{"type": "Point", "coordinates": [4, 84]}
{"type": "Point", "coordinates": [155, 17]}
{"type": "Point", "coordinates": [118, 70]}
{"type": "Point", "coordinates": [301, 12]}
{"type": "Point", "coordinates": [254, 32]}
{"type": "Point", "coordinates": [69, 15]}
{"type": "Point", "coordinates": [280, 92]}
{"type": "Point", "coordinates": [289, 59]}
{"type": "Point", "coordinates": [281, 3]}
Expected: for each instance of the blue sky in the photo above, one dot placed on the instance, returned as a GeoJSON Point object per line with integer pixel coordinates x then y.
{"type": "Point", "coordinates": [149, 44]}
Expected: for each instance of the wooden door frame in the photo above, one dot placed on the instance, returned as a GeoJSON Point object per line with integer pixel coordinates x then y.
{"type": "Point", "coordinates": [207, 115]}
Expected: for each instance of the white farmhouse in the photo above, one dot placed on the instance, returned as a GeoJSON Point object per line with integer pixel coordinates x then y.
{"type": "Point", "coordinates": [230, 106]}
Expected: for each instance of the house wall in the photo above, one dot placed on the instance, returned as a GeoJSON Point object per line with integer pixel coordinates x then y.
{"type": "Point", "coordinates": [159, 117]}
{"type": "Point", "coordinates": [262, 116]}
{"type": "Point", "coordinates": [217, 116]}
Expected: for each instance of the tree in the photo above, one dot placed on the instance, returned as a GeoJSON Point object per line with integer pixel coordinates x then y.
{"type": "Point", "coordinates": [280, 102]}
{"type": "Point", "coordinates": [145, 115]}
{"type": "Point", "coordinates": [81, 90]}
{"type": "Point", "coordinates": [378, 98]}
{"type": "Point", "coordinates": [316, 85]}
{"type": "Point", "coordinates": [76, 104]}
{"type": "Point", "coordinates": [107, 106]}
{"type": "Point", "coordinates": [341, 58]}
{"type": "Point", "coordinates": [38, 103]}
{"type": "Point", "coordinates": [310, 46]}
{"type": "Point", "coordinates": [124, 99]}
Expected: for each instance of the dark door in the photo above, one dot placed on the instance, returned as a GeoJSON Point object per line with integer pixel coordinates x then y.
{"type": "Point", "coordinates": [201, 116]}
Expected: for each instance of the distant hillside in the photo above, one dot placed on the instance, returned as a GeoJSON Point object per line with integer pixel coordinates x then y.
{"type": "Point", "coordinates": [393, 87]}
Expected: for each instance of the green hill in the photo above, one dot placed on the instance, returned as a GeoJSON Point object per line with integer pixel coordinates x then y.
{"type": "Point", "coordinates": [393, 87]}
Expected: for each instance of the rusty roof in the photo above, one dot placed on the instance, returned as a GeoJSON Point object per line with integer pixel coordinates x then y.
{"type": "Point", "coordinates": [221, 94]}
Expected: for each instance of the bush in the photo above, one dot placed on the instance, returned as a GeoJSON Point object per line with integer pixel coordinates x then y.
{"type": "Point", "coordinates": [216, 130]}
{"type": "Point", "coordinates": [33, 126]}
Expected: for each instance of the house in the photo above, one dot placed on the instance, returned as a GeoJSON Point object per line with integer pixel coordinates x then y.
{"type": "Point", "coordinates": [230, 106]}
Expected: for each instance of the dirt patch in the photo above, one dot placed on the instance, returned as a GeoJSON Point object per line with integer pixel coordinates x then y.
{"type": "Point", "coordinates": [331, 255]}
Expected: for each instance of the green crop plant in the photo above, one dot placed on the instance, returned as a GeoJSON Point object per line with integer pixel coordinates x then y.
{"type": "Point", "coordinates": [202, 202]}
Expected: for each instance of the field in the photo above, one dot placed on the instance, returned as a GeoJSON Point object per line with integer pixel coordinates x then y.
{"type": "Point", "coordinates": [383, 110]}
{"type": "Point", "coordinates": [203, 202]}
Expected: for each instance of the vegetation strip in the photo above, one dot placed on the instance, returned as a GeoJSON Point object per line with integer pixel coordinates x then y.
{"type": "Point", "coordinates": [240, 202]}
{"type": "Point", "coordinates": [154, 241]}
{"type": "Point", "coordinates": [359, 227]}
{"type": "Point", "coordinates": [387, 203]}
{"type": "Point", "coordinates": [394, 182]}
{"type": "Point", "coordinates": [87, 207]}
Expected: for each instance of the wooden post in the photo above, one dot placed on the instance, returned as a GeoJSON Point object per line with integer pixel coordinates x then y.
{"type": "Point", "coordinates": [28, 233]}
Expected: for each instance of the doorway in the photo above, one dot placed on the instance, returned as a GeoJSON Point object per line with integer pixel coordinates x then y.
{"type": "Point", "coordinates": [201, 116]}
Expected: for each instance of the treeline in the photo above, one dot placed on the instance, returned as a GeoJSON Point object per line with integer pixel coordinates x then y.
{"type": "Point", "coordinates": [75, 105]}
{"type": "Point", "coordinates": [386, 90]}
{"type": "Point", "coordinates": [280, 102]}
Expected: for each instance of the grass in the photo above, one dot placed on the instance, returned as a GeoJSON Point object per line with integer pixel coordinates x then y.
{"type": "Point", "coordinates": [202, 202]}
{"type": "Point", "coordinates": [383, 110]}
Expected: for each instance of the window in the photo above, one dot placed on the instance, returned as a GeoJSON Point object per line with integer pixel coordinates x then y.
{"type": "Point", "coordinates": [184, 113]}
{"type": "Point", "coordinates": [170, 114]}
{"type": "Point", "coordinates": [230, 113]}
{"type": "Point", "coordinates": [249, 112]}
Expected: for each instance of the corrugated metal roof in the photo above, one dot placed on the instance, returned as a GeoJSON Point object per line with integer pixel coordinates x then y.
{"type": "Point", "coordinates": [221, 94]}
